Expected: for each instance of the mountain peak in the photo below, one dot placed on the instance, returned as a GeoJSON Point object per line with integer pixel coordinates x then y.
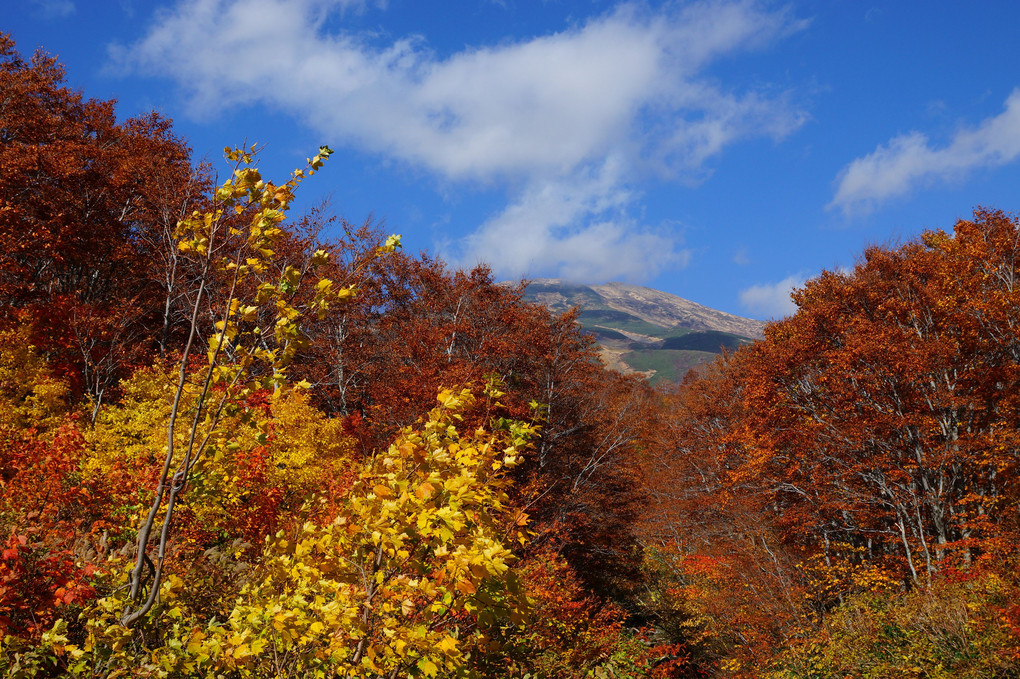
{"type": "Point", "coordinates": [645, 330]}
{"type": "Point", "coordinates": [653, 306]}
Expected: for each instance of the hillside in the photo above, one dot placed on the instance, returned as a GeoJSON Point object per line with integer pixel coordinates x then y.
{"type": "Point", "coordinates": [644, 330]}
{"type": "Point", "coordinates": [232, 446]}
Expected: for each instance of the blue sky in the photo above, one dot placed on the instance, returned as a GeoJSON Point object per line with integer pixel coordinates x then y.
{"type": "Point", "coordinates": [721, 151]}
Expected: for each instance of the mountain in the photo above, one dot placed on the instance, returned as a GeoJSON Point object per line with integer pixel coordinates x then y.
{"type": "Point", "coordinates": [644, 330]}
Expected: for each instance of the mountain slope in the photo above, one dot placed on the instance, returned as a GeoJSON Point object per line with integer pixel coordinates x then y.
{"type": "Point", "coordinates": [644, 330]}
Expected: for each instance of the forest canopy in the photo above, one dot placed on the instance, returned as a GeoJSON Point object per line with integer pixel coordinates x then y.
{"type": "Point", "coordinates": [237, 442]}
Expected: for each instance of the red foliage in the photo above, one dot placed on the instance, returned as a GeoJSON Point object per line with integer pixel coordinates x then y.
{"type": "Point", "coordinates": [39, 577]}
{"type": "Point", "coordinates": [86, 204]}
{"type": "Point", "coordinates": [415, 327]}
{"type": "Point", "coordinates": [868, 442]}
{"type": "Point", "coordinates": [259, 510]}
{"type": "Point", "coordinates": [48, 512]}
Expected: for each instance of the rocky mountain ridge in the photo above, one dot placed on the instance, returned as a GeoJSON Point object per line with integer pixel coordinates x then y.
{"type": "Point", "coordinates": [654, 306]}
{"type": "Point", "coordinates": [644, 330]}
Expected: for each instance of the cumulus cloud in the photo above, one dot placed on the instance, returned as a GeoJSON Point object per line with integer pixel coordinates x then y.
{"type": "Point", "coordinates": [910, 160]}
{"type": "Point", "coordinates": [771, 300]}
{"type": "Point", "coordinates": [627, 89]}
{"type": "Point", "coordinates": [574, 227]}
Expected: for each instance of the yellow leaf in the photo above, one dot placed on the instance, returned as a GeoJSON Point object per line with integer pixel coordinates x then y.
{"type": "Point", "coordinates": [392, 243]}
{"type": "Point", "coordinates": [424, 491]}
{"type": "Point", "coordinates": [447, 645]}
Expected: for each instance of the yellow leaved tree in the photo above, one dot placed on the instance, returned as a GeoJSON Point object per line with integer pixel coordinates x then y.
{"type": "Point", "coordinates": [256, 334]}
{"type": "Point", "coordinates": [29, 395]}
{"type": "Point", "coordinates": [396, 584]}
{"type": "Point", "coordinates": [399, 572]}
{"type": "Point", "coordinates": [413, 571]}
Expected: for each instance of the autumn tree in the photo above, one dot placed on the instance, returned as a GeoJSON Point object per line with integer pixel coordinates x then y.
{"type": "Point", "coordinates": [865, 446]}
{"type": "Point", "coordinates": [247, 348]}
{"type": "Point", "coordinates": [415, 324]}
{"type": "Point", "coordinates": [884, 404]}
{"type": "Point", "coordinates": [726, 586]}
{"type": "Point", "coordinates": [85, 204]}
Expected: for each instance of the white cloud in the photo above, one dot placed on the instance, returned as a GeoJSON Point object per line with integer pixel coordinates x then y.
{"type": "Point", "coordinates": [54, 9]}
{"type": "Point", "coordinates": [771, 300]}
{"type": "Point", "coordinates": [576, 228]}
{"type": "Point", "coordinates": [627, 88]}
{"type": "Point", "coordinates": [910, 160]}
